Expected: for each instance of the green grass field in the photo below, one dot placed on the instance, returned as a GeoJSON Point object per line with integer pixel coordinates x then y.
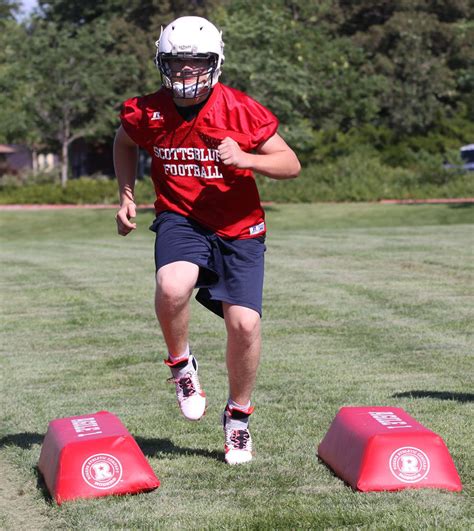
{"type": "Point", "coordinates": [364, 305]}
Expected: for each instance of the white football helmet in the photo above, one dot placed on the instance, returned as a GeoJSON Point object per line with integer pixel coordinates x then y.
{"type": "Point", "coordinates": [192, 39]}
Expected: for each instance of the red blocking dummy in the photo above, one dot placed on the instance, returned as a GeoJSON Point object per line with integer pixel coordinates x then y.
{"type": "Point", "coordinates": [93, 455]}
{"type": "Point", "coordinates": [384, 448]}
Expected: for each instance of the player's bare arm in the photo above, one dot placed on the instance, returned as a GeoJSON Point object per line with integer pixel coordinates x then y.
{"type": "Point", "coordinates": [274, 158]}
{"type": "Point", "coordinates": [125, 163]}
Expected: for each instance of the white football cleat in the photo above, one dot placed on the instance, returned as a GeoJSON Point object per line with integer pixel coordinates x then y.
{"type": "Point", "coordinates": [238, 446]}
{"type": "Point", "coordinates": [191, 398]}
{"type": "Point", "coordinates": [238, 441]}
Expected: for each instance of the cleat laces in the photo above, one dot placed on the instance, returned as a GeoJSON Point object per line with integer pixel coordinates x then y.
{"type": "Point", "coordinates": [191, 397]}
{"type": "Point", "coordinates": [239, 440]}
{"type": "Point", "coordinates": [186, 386]}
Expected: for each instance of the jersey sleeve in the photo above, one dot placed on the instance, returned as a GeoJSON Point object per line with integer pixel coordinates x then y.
{"type": "Point", "coordinates": [263, 123]}
{"type": "Point", "coordinates": [133, 120]}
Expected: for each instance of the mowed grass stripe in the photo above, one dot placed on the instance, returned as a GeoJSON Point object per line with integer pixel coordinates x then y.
{"type": "Point", "coordinates": [365, 305]}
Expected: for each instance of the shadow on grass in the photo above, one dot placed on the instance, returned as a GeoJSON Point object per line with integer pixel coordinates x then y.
{"type": "Point", "coordinates": [22, 440]}
{"type": "Point", "coordinates": [462, 205]}
{"type": "Point", "coordinates": [154, 447]}
{"type": "Point", "coordinates": [439, 395]}
{"type": "Point", "coordinates": [26, 440]}
{"type": "Point", "coordinates": [41, 486]}
{"type": "Point", "coordinates": [333, 474]}
{"type": "Point", "coordinates": [150, 447]}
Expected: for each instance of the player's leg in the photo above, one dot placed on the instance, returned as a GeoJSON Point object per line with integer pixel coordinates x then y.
{"type": "Point", "coordinates": [239, 289]}
{"type": "Point", "coordinates": [243, 350]}
{"type": "Point", "coordinates": [174, 286]}
{"type": "Point", "coordinates": [242, 356]}
{"type": "Point", "coordinates": [181, 252]}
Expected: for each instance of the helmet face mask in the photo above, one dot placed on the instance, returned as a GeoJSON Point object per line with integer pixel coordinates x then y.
{"type": "Point", "coordinates": [188, 76]}
{"type": "Point", "coordinates": [189, 57]}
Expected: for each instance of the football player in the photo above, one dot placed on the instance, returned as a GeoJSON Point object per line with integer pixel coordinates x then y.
{"type": "Point", "coordinates": [206, 140]}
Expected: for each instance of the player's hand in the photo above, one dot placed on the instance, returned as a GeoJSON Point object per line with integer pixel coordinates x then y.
{"type": "Point", "coordinates": [231, 154]}
{"type": "Point", "coordinates": [124, 215]}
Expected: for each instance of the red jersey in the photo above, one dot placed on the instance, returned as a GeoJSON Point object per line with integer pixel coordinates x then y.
{"type": "Point", "coordinates": [186, 169]}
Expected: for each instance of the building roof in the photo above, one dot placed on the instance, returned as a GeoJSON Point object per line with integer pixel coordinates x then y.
{"type": "Point", "coordinates": [5, 149]}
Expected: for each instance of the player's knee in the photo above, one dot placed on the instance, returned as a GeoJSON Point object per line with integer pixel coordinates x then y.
{"type": "Point", "coordinates": [246, 324]}
{"type": "Point", "coordinates": [171, 288]}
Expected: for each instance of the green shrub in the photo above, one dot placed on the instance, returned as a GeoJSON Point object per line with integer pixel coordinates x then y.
{"type": "Point", "coordinates": [360, 176]}
{"type": "Point", "coordinates": [29, 177]}
{"type": "Point", "coordinates": [86, 190]}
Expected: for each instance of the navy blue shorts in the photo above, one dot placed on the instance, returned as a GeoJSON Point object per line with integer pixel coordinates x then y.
{"type": "Point", "coordinates": [229, 270]}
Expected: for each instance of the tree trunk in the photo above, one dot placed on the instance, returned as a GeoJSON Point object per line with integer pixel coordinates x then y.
{"type": "Point", "coordinates": [65, 134]}
{"type": "Point", "coordinates": [34, 160]}
{"type": "Point", "coordinates": [64, 163]}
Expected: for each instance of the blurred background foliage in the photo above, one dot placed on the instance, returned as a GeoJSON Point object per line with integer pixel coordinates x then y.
{"type": "Point", "coordinates": [379, 92]}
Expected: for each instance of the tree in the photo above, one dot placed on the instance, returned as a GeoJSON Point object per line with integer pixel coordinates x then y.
{"type": "Point", "coordinates": [275, 76]}
{"type": "Point", "coordinates": [15, 88]}
{"type": "Point", "coordinates": [134, 26]}
{"type": "Point", "coordinates": [148, 15]}
{"type": "Point", "coordinates": [409, 43]}
{"type": "Point", "coordinates": [283, 54]}
{"type": "Point", "coordinates": [8, 10]}
{"type": "Point", "coordinates": [75, 81]}
{"type": "Point", "coordinates": [376, 73]}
